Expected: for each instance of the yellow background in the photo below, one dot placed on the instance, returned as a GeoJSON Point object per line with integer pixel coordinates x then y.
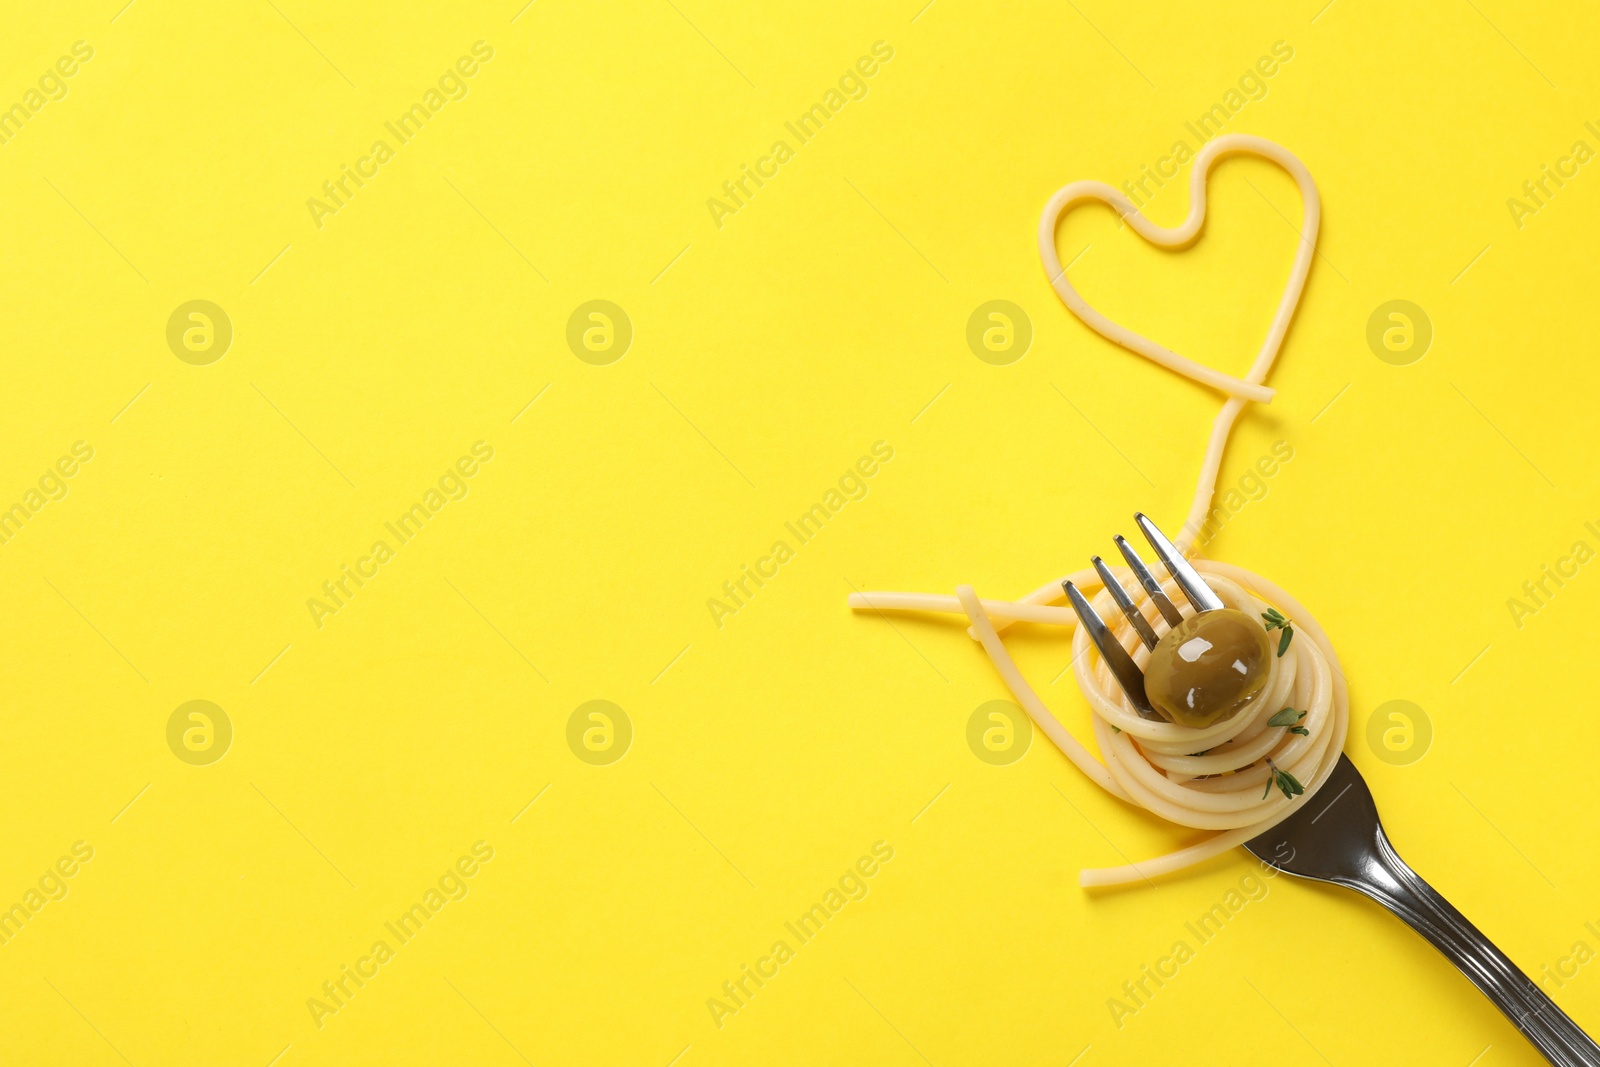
{"type": "Point", "coordinates": [768, 356]}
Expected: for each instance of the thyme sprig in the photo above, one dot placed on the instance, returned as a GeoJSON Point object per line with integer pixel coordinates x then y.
{"type": "Point", "coordinates": [1275, 620]}
{"type": "Point", "coordinates": [1283, 780]}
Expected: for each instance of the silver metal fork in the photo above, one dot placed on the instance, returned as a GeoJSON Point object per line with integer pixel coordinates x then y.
{"type": "Point", "coordinates": [1335, 835]}
{"type": "Point", "coordinates": [1198, 593]}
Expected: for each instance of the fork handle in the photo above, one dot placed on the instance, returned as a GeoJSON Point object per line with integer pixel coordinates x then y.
{"type": "Point", "coordinates": [1397, 887]}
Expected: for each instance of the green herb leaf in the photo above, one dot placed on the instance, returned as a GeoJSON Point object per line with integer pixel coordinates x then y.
{"type": "Point", "coordinates": [1115, 730]}
{"type": "Point", "coordinates": [1285, 781]}
{"type": "Point", "coordinates": [1301, 730]}
{"type": "Point", "coordinates": [1286, 717]}
{"type": "Point", "coordinates": [1273, 619]}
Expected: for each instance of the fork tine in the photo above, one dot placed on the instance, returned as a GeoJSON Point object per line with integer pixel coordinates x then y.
{"type": "Point", "coordinates": [1125, 602]}
{"type": "Point", "coordinates": [1148, 580]}
{"type": "Point", "coordinates": [1127, 673]}
{"type": "Point", "coordinates": [1194, 587]}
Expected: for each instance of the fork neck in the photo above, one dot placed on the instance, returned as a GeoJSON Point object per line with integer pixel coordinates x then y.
{"type": "Point", "coordinates": [1386, 878]}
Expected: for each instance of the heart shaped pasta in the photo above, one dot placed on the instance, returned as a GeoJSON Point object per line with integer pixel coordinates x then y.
{"type": "Point", "coordinates": [1240, 389]}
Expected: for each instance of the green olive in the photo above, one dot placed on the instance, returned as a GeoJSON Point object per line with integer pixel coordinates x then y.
{"type": "Point", "coordinates": [1209, 666]}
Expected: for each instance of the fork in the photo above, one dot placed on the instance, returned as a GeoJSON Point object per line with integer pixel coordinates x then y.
{"type": "Point", "coordinates": [1334, 835]}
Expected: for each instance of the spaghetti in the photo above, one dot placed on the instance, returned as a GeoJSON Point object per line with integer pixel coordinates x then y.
{"type": "Point", "coordinates": [1211, 778]}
